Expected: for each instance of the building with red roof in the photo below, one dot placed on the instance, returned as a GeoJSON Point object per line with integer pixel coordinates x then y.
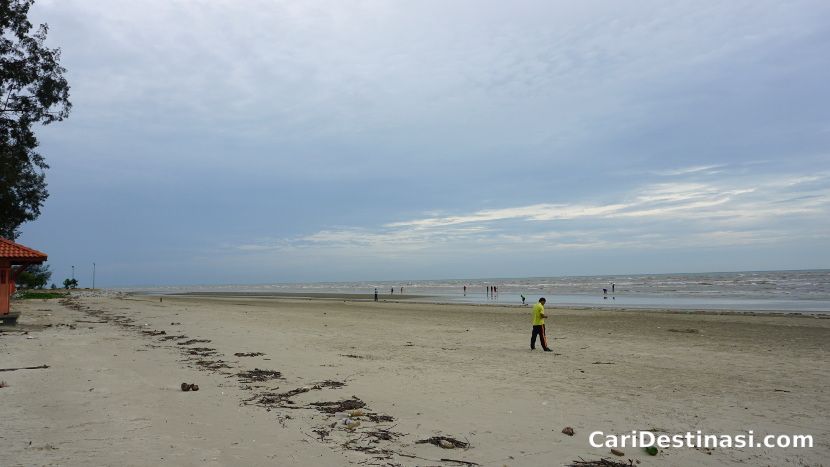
{"type": "Point", "coordinates": [13, 254]}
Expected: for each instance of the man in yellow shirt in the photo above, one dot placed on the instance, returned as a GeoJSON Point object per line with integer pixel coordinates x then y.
{"type": "Point", "coordinates": [539, 326]}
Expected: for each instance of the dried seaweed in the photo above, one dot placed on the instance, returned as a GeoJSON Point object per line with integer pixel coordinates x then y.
{"type": "Point", "coordinates": [339, 406]}
{"type": "Point", "coordinates": [172, 338]}
{"type": "Point", "coordinates": [193, 341]}
{"type": "Point", "coordinates": [378, 418]}
{"type": "Point", "coordinates": [212, 364]}
{"type": "Point", "coordinates": [383, 435]}
{"type": "Point", "coordinates": [202, 351]}
{"type": "Point", "coordinates": [274, 399]}
{"type": "Point", "coordinates": [257, 375]}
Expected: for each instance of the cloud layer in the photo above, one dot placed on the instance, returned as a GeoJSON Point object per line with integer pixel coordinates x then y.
{"type": "Point", "coordinates": [254, 140]}
{"type": "Point", "coordinates": [671, 214]}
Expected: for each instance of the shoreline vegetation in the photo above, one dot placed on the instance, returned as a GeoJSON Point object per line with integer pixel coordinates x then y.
{"type": "Point", "coordinates": [332, 382]}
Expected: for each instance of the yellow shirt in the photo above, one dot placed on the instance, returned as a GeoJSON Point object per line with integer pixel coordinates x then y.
{"type": "Point", "coordinates": [538, 309]}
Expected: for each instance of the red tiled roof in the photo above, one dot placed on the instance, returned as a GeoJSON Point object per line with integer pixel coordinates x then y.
{"type": "Point", "coordinates": [16, 253]}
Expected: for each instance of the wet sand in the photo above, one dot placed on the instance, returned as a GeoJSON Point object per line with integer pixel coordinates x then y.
{"type": "Point", "coordinates": [317, 295]}
{"type": "Point", "coordinates": [111, 393]}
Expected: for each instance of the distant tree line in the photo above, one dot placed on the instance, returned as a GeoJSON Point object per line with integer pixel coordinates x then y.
{"type": "Point", "coordinates": [34, 277]}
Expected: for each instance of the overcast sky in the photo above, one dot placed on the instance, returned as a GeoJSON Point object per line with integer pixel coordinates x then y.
{"type": "Point", "coordinates": [267, 141]}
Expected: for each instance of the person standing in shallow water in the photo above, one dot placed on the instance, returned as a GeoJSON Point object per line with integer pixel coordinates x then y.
{"type": "Point", "coordinates": [376, 294]}
{"type": "Point", "coordinates": [539, 326]}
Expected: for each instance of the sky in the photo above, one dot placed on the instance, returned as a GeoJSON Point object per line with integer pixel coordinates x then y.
{"type": "Point", "coordinates": [254, 141]}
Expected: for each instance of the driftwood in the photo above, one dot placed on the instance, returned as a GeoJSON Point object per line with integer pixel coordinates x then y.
{"type": "Point", "coordinates": [600, 463]}
{"type": "Point", "coordinates": [41, 367]}
{"type": "Point", "coordinates": [432, 460]}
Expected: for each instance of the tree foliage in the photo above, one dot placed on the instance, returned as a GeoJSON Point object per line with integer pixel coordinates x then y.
{"type": "Point", "coordinates": [70, 283]}
{"type": "Point", "coordinates": [34, 277]}
{"type": "Point", "coordinates": [33, 91]}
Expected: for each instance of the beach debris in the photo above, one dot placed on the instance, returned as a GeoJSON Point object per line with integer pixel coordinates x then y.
{"type": "Point", "coordinates": [248, 354]}
{"type": "Point", "coordinates": [351, 424]}
{"type": "Point", "coordinates": [322, 433]}
{"type": "Point", "coordinates": [257, 375]}
{"type": "Point", "coordinates": [781, 390]}
{"type": "Point", "coordinates": [189, 387]}
{"type": "Point", "coordinates": [602, 363]}
{"type": "Point", "coordinates": [154, 333]}
{"type": "Point", "coordinates": [350, 356]}
{"type": "Point", "coordinates": [193, 341]}
{"type": "Point", "coordinates": [651, 450]}
{"type": "Point", "coordinates": [339, 406]}
{"type": "Point", "coordinates": [568, 431]}
{"type": "Point", "coordinates": [3, 384]}
{"type": "Point", "coordinates": [617, 452]}
{"type": "Point", "coordinates": [40, 367]}
{"type": "Point", "coordinates": [442, 441]}
{"type": "Point", "coordinates": [175, 324]}
{"type": "Point", "coordinates": [600, 463]}
{"type": "Point", "coordinates": [685, 331]}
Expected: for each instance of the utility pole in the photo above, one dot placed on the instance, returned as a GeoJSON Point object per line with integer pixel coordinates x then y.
{"type": "Point", "coordinates": [73, 272]}
{"type": "Point", "coordinates": [93, 276]}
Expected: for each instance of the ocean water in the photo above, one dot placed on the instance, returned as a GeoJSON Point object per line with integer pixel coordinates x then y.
{"type": "Point", "coordinates": [784, 291]}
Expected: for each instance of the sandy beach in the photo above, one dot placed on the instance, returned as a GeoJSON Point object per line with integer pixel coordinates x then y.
{"type": "Point", "coordinates": [111, 393]}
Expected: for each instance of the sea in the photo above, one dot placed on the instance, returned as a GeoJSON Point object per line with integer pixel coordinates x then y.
{"type": "Point", "coordinates": [804, 291]}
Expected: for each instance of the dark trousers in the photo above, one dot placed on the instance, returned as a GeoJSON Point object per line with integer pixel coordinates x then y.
{"type": "Point", "coordinates": [539, 330]}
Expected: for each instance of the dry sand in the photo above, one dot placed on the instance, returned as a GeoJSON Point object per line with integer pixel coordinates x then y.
{"type": "Point", "coordinates": [111, 393]}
